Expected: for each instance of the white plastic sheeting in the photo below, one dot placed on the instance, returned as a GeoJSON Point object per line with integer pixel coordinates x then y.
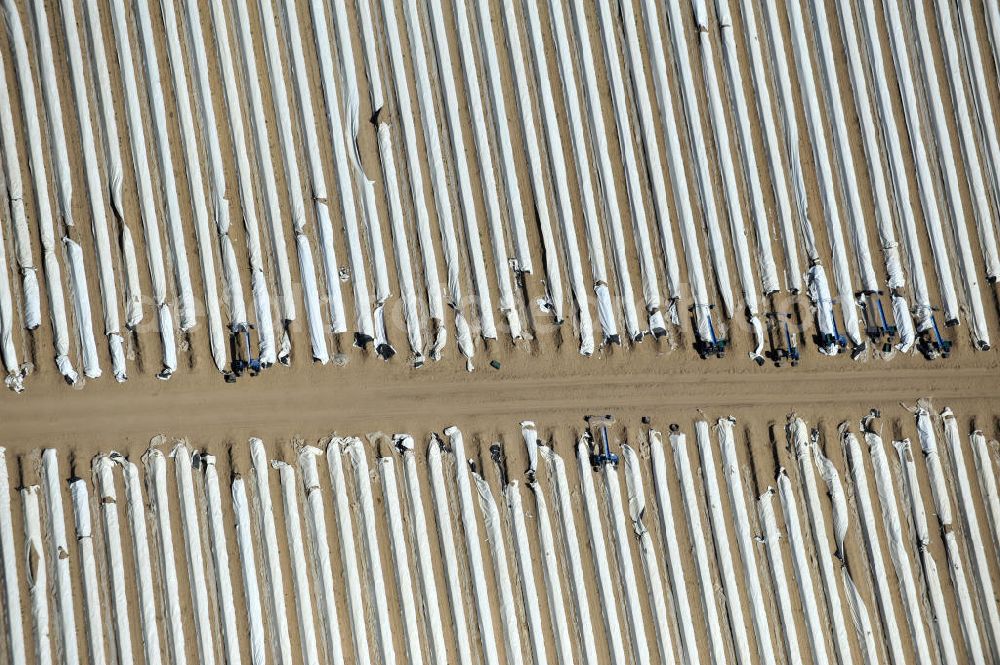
{"type": "Point", "coordinates": [967, 512]}
{"type": "Point", "coordinates": [678, 442]}
{"type": "Point", "coordinates": [421, 543]}
{"type": "Point", "coordinates": [723, 550]}
{"type": "Point", "coordinates": [598, 550]}
{"type": "Point", "coordinates": [474, 556]}
{"type": "Point", "coordinates": [15, 200]}
{"type": "Point", "coordinates": [468, 213]}
{"type": "Point", "coordinates": [987, 482]}
{"type": "Point", "coordinates": [400, 560]}
{"type": "Point", "coordinates": [31, 112]}
{"type": "Point", "coordinates": [553, 584]}
{"type": "Point", "coordinates": [319, 548]}
{"type": "Point", "coordinates": [81, 310]}
{"type": "Point", "coordinates": [244, 178]}
{"type": "Point", "coordinates": [297, 555]}
{"type": "Point", "coordinates": [744, 538]}
{"type": "Point", "coordinates": [193, 555]}
{"type": "Point", "coordinates": [931, 576]}
{"type": "Point", "coordinates": [873, 547]}
{"type": "Point", "coordinates": [156, 485]}
{"type": "Point", "coordinates": [14, 621]}
{"type": "Point", "coordinates": [526, 572]}
{"type": "Point", "coordinates": [58, 542]}
{"type": "Point", "coordinates": [474, 101]}
{"type": "Point", "coordinates": [274, 586]}
{"type": "Point", "coordinates": [576, 126]}
{"type": "Point", "coordinates": [571, 552]}
{"type": "Point", "coordinates": [88, 571]}
{"type": "Point", "coordinates": [819, 293]}
{"type": "Point", "coordinates": [215, 522]}
{"type": "Point", "coordinates": [37, 578]}
{"type": "Point", "coordinates": [452, 574]}
{"type": "Point", "coordinates": [771, 537]}
{"type": "Point", "coordinates": [114, 573]}
{"type": "Point", "coordinates": [349, 557]}
{"type": "Point", "coordinates": [501, 572]}
{"type": "Point", "coordinates": [647, 552]}
{"type": "Point", "coordinates": [675, 570]}
{"type": "Point", "coordinates": [248, 570]}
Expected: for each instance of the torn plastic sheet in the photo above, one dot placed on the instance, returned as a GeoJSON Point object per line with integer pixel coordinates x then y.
{"type": "Point", "coordinates": [828, 189]}
{"type": "Point", "coordinates": [376, 579]}
{"type": "Point", "coordinates": [421, 543]}
{"type": "Point", "coordinates": [970, 525]}
{"type": "Point", "coordinates": [349, 556]}
{"type": "Point", "coordinates": [771, 537]}
{"type": "Point", "coordinates": [248, 570]}
{"type": "Point", "coordinates": [873, 547]}
{"type": "Point", "coordinates": [901, 315]}
{"type": "Point", "coordinates": [706, 189]}
{"type": "Point", "coordinates": [88, 571]}
{"type": "Point", "coordinates": [675, 570]}
{"type": "Point", "coordinates": [526, 573]}
{"type": "Point", "coordinates": [571, 549]}
{"type": "Point", "coordinates": [633, 176]}
{"type": "Point", "coordinates": [95, 192]}
{"type": "Point", "coordinates": [474, 555]}
{"type": "Point", "coordinates": [192, 550]}
{"type": "Point", "coordinates": [744, 537]}
{"type": "Point", "coordinates": [114, 553]}
{"type": "Point", "coordinates": [400, 560]}
{"type": "Point", "coordinates": [932, 578]}
{"type": "Point", "coordinates": [35, 574]}
{"type": "Point", "coordinates": [136, 511]}
{"type": "Point", "coordinates": [244, 179]}
{"type": "Point", "coordinates": [921, 160]}
{"type": "Point", "coordinates": [576, 127]}
{"type": "Point", "coordinates": [36, 153]}
{"type": "Point", "coordinates": [501, 572]}
{"type": "Point", "coordinates": [598, 549]}
{"type": "Point", "coordinates": [474, 99]}
{"type": "Point", "coordinates": [14, 621]}
{"type": "Point", "coordinates": [273, 577]}
{"type": "Point", "coordinates": [297, 554]}
{"type": "Point", "coordinates": [805, 449]}
{"type": "Point", "coordinates": [678, 442]}
{"type": "Point", "coordinates": [720, 538]}
{"type": "Point", "coordinates": [156, 485]}
{"type": "Point", "coordinates": [319, 552]}
{"type": "Point", "coordinates": [220, 563]}
{"type": "Point", "coordinates": [647, 551]}
{"type": "Point", "coordinates": [60, 570]}
{"type": "Point", "coordinates": [553, 585]}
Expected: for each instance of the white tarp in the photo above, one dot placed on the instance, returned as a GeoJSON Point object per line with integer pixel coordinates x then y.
{"type": "Point", "coordinates": [744, 538]}
{"type": "Point", "coordinates": [723, 549]}
{"type": "Point", "coordinates": [274, 586]}
{"type": "Point", "coordinates": [114, 553]}
{"type": "Point", "coordinates": [220, 564]}
{"type": "Point", "coordinates": [258, 281]}
{"type": "Point", "coordinates": [421, 543]}
{"type": "Point", "coordinates": [571, 551]}
{"type": "Point", "coordinates": [348, 554]}
{"type": "Point", "coordinates": [8, 349]}
{"type": "Point", "coordinates": [647, 551]}
{"type": "Point", "coordinates": [159, 504]}
{"type": "Point", "coordinates": [400, 560]}
{"type": "Point", "coordinates": [35, 574]}
{"type": "Point", "coordinates": [818, 289]}
{"type": "Point", "coordinates": [200, 607]}
{"type": "Point", "coordinates": [577, 128]}
{"type": "Point", "coordinates": [81, 309]}
{"type": "Point", "coordinates": [297, 555]}
{"type": "Point", "coordinates": [248, 570]}
{"type": "Point", "coordinates": [771, 537]}
{"type": "Point", "coordinates": [319, 548]}
{"type": "Point", "coordinates": [88, 571]}
{"type": "Point", "coordinates": [31, 112]}
{"type": "Point", "coordinates": [14, 622]}
{"type": "Point", "coordinates": [986, 471]}
{"type": "Point", "coordinates": [60, 571]}
{"type": "Point", "coordinates": [553, 585]}
{"type": "Point", "coordinates": [474, 555]}
{"type": "Point", "coordinates": [369, 44]}
{"type": "Point", "coordinates": [526, 572]}
{"type": "Point", "coordinates": [501, 571]}
{"type": "Point", "coordinates": [678, 442]}
{"type": "Point", "coordinates": [675, 570]}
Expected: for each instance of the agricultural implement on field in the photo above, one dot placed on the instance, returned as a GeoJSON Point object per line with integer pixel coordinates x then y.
{"type": "Point", "coordinates": [243, 358]}
{"type": "Point", "coordinates": [603, 454]}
